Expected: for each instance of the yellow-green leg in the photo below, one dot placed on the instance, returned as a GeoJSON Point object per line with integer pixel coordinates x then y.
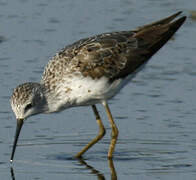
{"type": "Point", "coordinates": [114, 134]}
{"type": "Point", "coordinates": [98, 137]}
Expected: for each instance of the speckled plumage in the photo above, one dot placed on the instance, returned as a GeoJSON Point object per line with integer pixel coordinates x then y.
{"type": "Point", "coordinates": [97, 56]}
{"type": "Point", "coordinates": [23, 92]}
{"type": "Point", "coordinates": [92, 70]}
{"type": "Point", "coordinates": [96, 68]}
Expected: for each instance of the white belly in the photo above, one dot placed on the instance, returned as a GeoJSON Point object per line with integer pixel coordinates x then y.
{"type": "Point", "coordinates": [82, 91]}
{"type": "Point", "coordinates": [88, 91]}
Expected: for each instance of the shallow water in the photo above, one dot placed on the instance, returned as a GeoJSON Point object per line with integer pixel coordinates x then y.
{"type": "Point", "coordinates": [155, 113]}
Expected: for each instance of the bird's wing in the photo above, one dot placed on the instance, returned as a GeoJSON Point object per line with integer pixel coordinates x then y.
{"type": "Point", "coordinates": [118, 54]}
{"type": "Point", "coordinates": [103, 55]}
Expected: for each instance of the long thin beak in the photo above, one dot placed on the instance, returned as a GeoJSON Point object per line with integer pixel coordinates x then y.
{"type": "Point", "coordinates": [18, 128]}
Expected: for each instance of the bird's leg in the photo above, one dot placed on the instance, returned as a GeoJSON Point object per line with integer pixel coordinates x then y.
{"type": "Point", "coordinates": [114, 134]}
{"type": "Point", "coordinates": [98, 137]}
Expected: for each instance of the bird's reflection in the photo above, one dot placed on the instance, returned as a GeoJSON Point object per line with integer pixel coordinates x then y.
{"type": "Point", "coordinates": [94, 171]}
{"type": "Point", "coordinates": [100, 175]}
{"type": "Point", "coordinates": [12, 173]}
{"type": "Point", "coordinates": [112, 169]}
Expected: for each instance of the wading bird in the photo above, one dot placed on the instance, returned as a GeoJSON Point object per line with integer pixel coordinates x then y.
{"type": "Point", "coordinates": [91, 71]}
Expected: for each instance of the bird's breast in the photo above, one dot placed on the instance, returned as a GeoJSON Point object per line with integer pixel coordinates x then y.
{"type": "Point", "coordinates": [81, 91]}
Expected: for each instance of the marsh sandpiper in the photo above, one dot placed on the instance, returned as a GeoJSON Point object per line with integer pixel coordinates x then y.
{"type": "Point", "coordinates": [91, 71]}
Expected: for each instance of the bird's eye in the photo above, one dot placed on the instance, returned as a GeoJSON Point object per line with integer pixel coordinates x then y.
{"type": "Point", "coordinates": [28, 106]}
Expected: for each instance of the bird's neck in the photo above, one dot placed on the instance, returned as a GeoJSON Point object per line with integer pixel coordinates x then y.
{"type": "Point", "coordinates": [55, 101]}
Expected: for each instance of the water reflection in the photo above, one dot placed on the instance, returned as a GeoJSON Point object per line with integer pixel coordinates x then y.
{"type": "Point", "coordinates": [2, 39]}
{"type": "Point", "coordinates": [12, 173]}
{"type": "Point", "coordinates": [93, 170]}
{"type": "Point", "coordinates": [100, 175]}
{"type": "Point", "coordinates": [112, 169]}
{"type": "Point", "coordinates": [193, 15]}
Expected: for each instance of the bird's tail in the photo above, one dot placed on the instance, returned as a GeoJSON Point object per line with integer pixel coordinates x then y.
{"type": "Point", "coordinates": [159, 22]}
{"type": "Point", "coordinates": [156, 34]}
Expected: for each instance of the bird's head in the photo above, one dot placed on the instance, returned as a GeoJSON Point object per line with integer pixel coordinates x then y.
{"type": "Point", "coordinates": [27, 100]}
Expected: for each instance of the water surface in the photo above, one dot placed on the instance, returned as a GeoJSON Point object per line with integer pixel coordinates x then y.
{"type": "Point", "coordinates": [155, 113]}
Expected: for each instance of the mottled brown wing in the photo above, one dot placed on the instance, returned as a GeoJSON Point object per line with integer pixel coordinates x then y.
{"type": "Point", "coordinates": [150, 39]}
{"type": "Point", "coordinates": [103, 55]}
{"type": "Point", "coordinates": [160, 22]}
{"type": "Point", "coordinates": [116, 55]}
{"type": "Point", "coordinates": [97, 56]}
